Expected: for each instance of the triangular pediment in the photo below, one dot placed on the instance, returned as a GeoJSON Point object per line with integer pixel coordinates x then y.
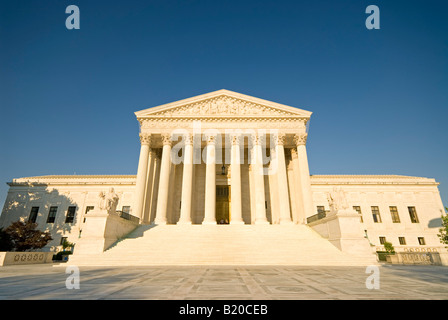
{"type": "Point", "coordinates": [222, 103]}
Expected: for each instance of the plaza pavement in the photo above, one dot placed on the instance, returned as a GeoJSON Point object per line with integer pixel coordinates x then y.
{"type": "Point", "coordinates": [223, 283]}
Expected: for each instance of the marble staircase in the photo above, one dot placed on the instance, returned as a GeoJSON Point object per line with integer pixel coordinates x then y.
{"type": "Point", "coordinates": [222, 245]}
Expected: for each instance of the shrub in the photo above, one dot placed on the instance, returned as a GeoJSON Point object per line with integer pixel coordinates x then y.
{"type": "Point", "coordinates": [389, 247]}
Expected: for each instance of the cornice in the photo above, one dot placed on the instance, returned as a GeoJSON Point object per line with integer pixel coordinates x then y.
{"type": "Point", "coordinates": [370, 180]}
{"type": "Point", "coordinates": [74, 180]}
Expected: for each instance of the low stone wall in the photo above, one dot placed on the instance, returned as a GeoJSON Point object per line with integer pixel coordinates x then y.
{"type": "Point", "coordinates": [17, 258]}
{"type": "Point", "coordinates": [421, 258]}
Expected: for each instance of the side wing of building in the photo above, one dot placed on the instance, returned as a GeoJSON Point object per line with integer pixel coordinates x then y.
{"type": "Point", "coordinates": [405, 211]}
{"type": "Point", "coordinates": [59, 204]}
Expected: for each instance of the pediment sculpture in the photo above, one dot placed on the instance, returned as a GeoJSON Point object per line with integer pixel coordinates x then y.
{"type": "Point", "coordinates": [223, 106]}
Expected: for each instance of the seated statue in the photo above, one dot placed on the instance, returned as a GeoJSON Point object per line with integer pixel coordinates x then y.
{"type": "Point", "coordinates": [337, 200]}
{"type": "Point", "coordinates": [111, 201]}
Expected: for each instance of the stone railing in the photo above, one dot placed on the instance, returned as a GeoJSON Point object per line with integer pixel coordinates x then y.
{"type": "Point", "coordinates": [318, 216]}
{"type": "Point", "coordinates": [128, 216]}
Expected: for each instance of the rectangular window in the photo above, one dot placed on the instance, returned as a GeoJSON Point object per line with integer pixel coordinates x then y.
{"type": "Point", "coordinates": [376, 214]}
{"type": "Point", "coordinates": [52, 214]}
{"type": "Point", "coordinates": [358, 209]}
{"type": "Point", "coordinates": [88, 208]}
{"type": "Point", "coordinates": [402, 240]}
{"type": "Point", "coordinates": [413, 214]}
{"type": "Point", "coordinates": [126, 209]}
{"type": "Point", "coordinates": [421, 241]}
{"type": "Point", "coordinates": [394, 214]}
{"type": "Point", "coordinates": [70, 215]}
{"type": "Point", "coordinates": [382, 240]}
{"type": "Point", "coordinates": [33, 214]}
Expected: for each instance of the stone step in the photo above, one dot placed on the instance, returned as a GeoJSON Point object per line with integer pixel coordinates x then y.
{"type": "Point", "coordinates": [223, 245]}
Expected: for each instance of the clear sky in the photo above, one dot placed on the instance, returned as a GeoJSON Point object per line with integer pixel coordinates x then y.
{"type": "Point", "coordinates": [379, 97]}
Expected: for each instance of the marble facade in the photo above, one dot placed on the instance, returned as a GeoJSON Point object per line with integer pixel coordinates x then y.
{"type": "Point", "coordinates": [225, 157]}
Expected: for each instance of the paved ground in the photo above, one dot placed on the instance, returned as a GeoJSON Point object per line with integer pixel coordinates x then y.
{"type": "Point", "coordinates": [210, 283]}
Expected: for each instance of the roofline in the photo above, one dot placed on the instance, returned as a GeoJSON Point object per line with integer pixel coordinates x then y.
{"type": "Point", "coordinates": [139, 114]}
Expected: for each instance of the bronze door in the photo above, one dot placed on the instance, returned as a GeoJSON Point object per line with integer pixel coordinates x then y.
{"type": "Point", "coordinates": [222, 204]}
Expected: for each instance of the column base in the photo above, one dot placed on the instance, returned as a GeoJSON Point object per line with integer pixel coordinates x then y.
{"type": "Point", "coordinates": [286, 222]}
{"type": "Point", "coordinates": [237, 222]}
{"type": "Point", "coordinates": [159, 223]}
{"type": "Point", "coordinates": [262, 222]}
{"type": "Point", "coordinates": [184, 223]}
{"type": "Point", "coordinates": [209, 222]}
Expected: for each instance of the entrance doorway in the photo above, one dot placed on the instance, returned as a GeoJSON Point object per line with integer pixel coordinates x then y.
{"type": "Point", "coordinates": [222, 204]}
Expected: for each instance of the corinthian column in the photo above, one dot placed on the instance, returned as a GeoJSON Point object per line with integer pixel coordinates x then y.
{"type": "Point", "coordinates": [140, 185]}
{"type": "Point", "coordinates": [210, 182]}
{"type": "Point", "coordinates": [162, 198]}
{"type": "Point", "coordinates": [304, 174]}
{"type": "Point", "coordinates": [187, 181]}
{"type": "Point", "coordinates": [283, 194]}
{"type": "Point", "coordinates": [235, 188]}
{"type": "Point", "coordinates": [300, 209]}
{"type": "Point", "coordinates": [258, 174]}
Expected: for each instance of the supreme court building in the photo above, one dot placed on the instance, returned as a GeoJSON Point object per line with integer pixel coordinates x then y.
{"type": "Point", "coordinates": [229, 170]}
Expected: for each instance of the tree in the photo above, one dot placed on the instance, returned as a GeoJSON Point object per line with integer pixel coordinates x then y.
{"type": "Point", "coordinates": [443, 235]}
{"type": "Point", "coordinates": [25, 236]}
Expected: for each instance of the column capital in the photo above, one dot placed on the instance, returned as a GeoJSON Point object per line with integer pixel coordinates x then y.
{"type": "Point", "coordinates": [188, 138]}
{"type": "Point", "coordinates": [300, 139]}
{"type": "Point", "coordinates": [258, 139]}
{"type": "Point", "coordinates": [235, 138]}
{"type": "Point", "coordinates": [279, 138]}
{"type": "Point", "coordinates": [166, 139]}
{"type": "Point", "coordinates": [210, 137]}
{"type": "Point", "coordinates": [145, 138]}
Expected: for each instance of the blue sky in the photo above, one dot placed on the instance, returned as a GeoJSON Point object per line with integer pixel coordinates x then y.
{"type": "Point", "coordinates": [379, 97]}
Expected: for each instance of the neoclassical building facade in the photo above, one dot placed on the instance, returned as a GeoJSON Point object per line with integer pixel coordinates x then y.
{"type": "Point", "coordinates": [228, 159]}
{"type": "Point", "coordinates": [223, 157]}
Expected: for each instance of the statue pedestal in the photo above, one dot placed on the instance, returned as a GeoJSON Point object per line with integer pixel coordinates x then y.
{"type": "Point", "coordinates": [101, 230]}
{"type": "Point", "coordinates": [344, 230]}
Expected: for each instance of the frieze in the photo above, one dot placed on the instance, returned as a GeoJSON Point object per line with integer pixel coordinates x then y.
{"type": "Point", "coordinates": [222, 123]}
